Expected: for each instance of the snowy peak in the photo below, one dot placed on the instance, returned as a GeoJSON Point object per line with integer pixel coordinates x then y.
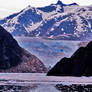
{"type": "Point", "coordinates": [51, 8]}
{"type": "Point", "coordinates": [60, 3]}
{"type": "Point", "coordinates": [56, 21]}
{"type": "Point", "coordinates": [73, 4]}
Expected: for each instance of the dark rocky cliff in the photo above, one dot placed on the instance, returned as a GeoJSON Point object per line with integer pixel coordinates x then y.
{"type": "Point", "coordinates": [13, 58]}
{"type": "Point", "coordinates": [79, 64]}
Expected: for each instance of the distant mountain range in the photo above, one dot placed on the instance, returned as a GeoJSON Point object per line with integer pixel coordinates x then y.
{"type": "Point", "coordinates": [13, 58]}
{"type": "Point", "coordinates": [56, 21]}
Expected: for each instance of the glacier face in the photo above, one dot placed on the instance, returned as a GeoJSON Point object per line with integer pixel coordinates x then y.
{"type": "Point", "coordinates": [56, 21]}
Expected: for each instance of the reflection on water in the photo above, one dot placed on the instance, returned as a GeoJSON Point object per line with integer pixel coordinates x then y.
{"type": "Point", "coordinates": [33, 88]}
{"type": "Point", "coordinates": [38, 82]}
{"type": "Point", "coordinates": [45, 88]}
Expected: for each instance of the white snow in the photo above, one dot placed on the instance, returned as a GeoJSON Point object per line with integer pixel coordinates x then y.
{"type": "Point", "coordinates": [38, 34]}
{"type": "Point", "coordinates": [51, 36]}
{"type": "Point", "coordinates": [32, 27]}
{"type": "Point", "coordinates": [62, 29]}
{"type": "Point", "coordinates": [58, 8]}
{"type": "Point", "coordinates": [75, 10]}
{"type": "Point", "coordinates": [52, 29]}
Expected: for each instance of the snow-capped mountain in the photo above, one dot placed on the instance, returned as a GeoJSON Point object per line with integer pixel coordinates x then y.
{"type": "Point", "coordinates": [56, 21]}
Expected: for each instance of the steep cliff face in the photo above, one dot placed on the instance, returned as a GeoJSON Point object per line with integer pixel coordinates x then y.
{"type": "Point", "coordinates": [80, 64]}
{"type": "Point", "coordinates": [10, 52]}
{"type": "Point", "coordinates": [13, 58]}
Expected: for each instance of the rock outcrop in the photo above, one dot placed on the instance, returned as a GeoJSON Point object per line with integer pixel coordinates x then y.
{"type": "Point", "coordinates": [80, 64]}
{"type": "Point", "coordinates": [13, 58]}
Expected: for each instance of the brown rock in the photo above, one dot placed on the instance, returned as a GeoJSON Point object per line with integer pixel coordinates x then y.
{"type": "Point", "coordinates": [13, 58]}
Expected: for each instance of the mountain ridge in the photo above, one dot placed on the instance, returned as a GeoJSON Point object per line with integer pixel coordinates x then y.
{"type": "Point", "coordinates": [56, 21]}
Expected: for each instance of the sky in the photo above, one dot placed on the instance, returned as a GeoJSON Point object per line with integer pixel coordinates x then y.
{"type": "Point", "coordinates": [8, 7]}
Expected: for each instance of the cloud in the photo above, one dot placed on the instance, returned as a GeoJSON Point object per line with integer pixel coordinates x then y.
{"type": "Point", "coordinates": [5, 12]}
{"type": "Point", "coordinates": [83, 2]}
{"type": "Point", "coordinates": [40, 3]}
{"type": "Point", "coordinates": [80, 2]}
{"type": "Point", "coordinates": [13, 6]}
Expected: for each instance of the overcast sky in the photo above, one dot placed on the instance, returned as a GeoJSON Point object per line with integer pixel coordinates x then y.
{"type": "Point", "coordinates": [8, 7]}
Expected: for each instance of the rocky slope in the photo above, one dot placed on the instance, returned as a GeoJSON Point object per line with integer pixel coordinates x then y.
{"type": "Point", "coordinates": [56, 21]}
{"type": "Point", "coordinates": [13, 58]}
{"type": "Point", "coordinates": [79, 64]}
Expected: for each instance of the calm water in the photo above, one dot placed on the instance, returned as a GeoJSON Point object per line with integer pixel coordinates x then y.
{"type": "Point", "coordinates": [45, 50]}
{"type": "Point", "coordinates": [39, 82]}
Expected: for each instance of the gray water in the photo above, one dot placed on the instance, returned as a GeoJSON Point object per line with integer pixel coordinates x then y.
{"type": "Point", "coordinates": [45, 50]}
{"type": "Point", "coordinates": [39, 82]}
{"type": "Point", "coordinates": [45, 88]}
